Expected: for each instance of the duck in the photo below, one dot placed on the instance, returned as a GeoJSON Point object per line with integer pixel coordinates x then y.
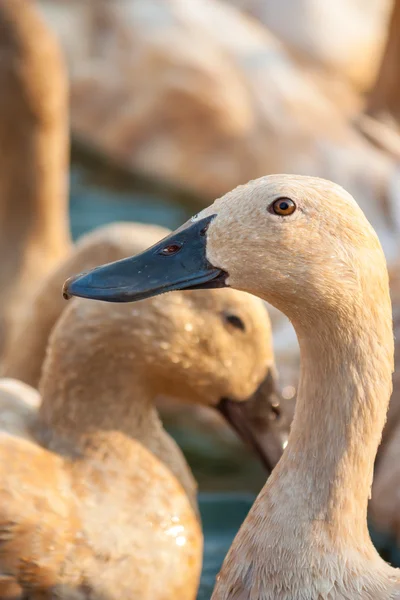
{"type": "Point", "coordinates": [34, 225]}
{"type": "Point", "coordinates": [304, 245]}
{"type": "Point", "coordinates": [88, 458]}
{"type": "Point", "coordinates": [24, 356]}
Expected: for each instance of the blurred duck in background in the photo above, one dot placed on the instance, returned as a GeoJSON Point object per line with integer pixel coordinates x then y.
{"type": "Point", "coordinates": [89, 460]}
{"type": "Point", "coordinates": [34, 228]}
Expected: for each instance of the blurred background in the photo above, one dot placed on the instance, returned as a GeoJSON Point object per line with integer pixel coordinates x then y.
{"type": "Point", "coordinates": [174, 102]}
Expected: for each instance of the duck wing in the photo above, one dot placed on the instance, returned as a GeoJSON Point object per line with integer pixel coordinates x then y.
{"type": "Point", "coordinates": [39, 523]}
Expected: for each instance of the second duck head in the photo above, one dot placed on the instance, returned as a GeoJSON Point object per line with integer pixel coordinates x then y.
{"type": "Point", "coordinates": [211, 348]}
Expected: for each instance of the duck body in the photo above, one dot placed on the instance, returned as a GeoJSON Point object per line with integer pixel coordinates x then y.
{"type": "Point", "coordinates": [303, 245]}
{"type": "Point", "coordinates": [104, 535]}
{"type": "Point", "coordinates": [96, 501]}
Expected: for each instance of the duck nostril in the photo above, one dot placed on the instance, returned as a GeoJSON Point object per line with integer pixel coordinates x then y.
{"type": "Point", "coordinates": [171, 249]}
{"type": "Point", "coordinates": [204, 230]}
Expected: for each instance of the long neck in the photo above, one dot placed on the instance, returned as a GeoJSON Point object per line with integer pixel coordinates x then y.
{"type": "Point", "coordinates": [326, 472]}
{"type": "Point", "coordinates": [33, 184]}
{"type": "Point", "coordinates": [79, 405]}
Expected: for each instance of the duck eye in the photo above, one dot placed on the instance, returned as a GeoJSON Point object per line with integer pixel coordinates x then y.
{"type": "Point", "coordinates": [283, 207]}
{"type": "Point", "coordinates": [235, 321]}
{"type": "Point", "coordinates": [171, 249]}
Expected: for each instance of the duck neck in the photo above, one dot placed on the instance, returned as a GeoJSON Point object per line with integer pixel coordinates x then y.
{"type": "Point", "coordinates": [344, 390]}
{"type": "Point", "coordinates": [90, 409]}
{"type": "Point", "coordinates": [34, 183]}
{"type": "Point", "coordinates": [34, 136]}
{"type": "Point", "coordinates": [39, 193]}
{"type": "Point", "coordinates": [85, 404]}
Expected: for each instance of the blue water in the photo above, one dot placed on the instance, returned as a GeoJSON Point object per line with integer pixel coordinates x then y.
{"type": "Point", "coordinates": [222, 515]}
{"type": "Point", "coordinates": [92, 205]}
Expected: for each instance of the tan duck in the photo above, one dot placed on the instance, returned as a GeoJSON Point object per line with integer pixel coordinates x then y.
{"type": "Point", "coordinates": [304, 245]}
{"type": "Point", "coordinates": [34, 231]}
{"type": "Point", "coordinates": [96, 500]}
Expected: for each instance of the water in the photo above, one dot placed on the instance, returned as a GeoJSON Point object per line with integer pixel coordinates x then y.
{"type": "Point", "coordinates": [222, 515]}
{"type": "Point", "coordinates": [91, 206]}
{"type": "Point", "coordinates": [216, 466]}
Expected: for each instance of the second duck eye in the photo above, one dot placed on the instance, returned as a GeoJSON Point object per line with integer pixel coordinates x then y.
{"type": "Point", "coordinates": [235, 321]}
{"type": "Point", "coordinates": [283, 207]}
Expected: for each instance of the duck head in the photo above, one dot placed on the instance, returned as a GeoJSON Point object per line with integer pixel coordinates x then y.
{"type": "Point", "coordinates": [260, 238]}
{"type": "Point", "coordinates": [289, 239]}
{"type": "Point", "coordinates": [210, 348]}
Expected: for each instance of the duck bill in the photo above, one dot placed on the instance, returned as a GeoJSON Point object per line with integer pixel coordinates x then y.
{"type": "Point", "coordinates": [259, 422]}
{"type": "Point", "coordinates": [177, 262]}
